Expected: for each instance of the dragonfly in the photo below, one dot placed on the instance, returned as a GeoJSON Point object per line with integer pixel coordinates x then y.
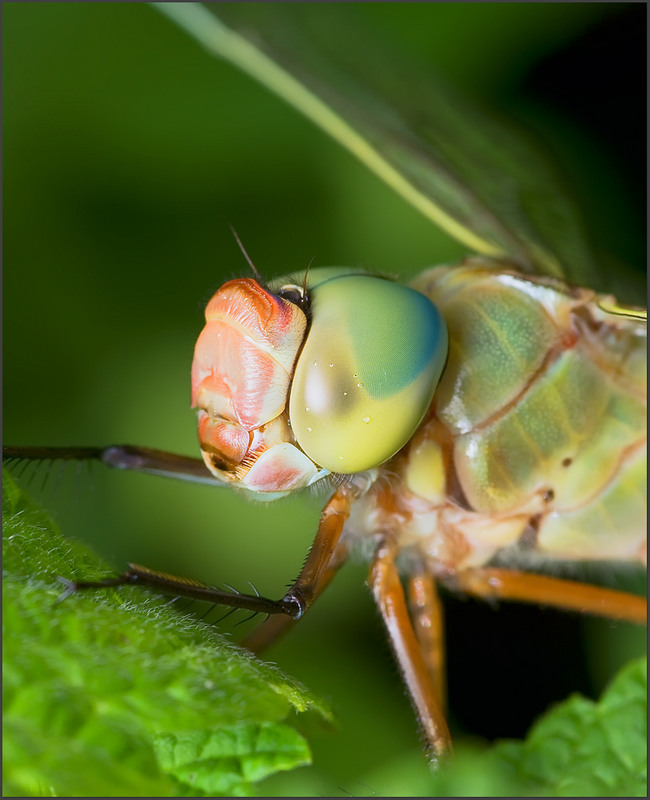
{"type": "Point", "coordinates": [481, 417]}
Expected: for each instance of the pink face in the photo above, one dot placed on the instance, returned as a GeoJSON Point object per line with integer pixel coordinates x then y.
{"type": "Point", "coordinates": [241, 374]}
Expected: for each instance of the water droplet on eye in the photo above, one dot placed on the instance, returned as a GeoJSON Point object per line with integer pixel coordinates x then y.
{"type": "Point", "coordinates": [345, 394]}
{"type": "Point", "coordinates": [358, 385]}
{"type": "Point", "coordinates": [315, 363]}
{"type": "Point", "coordinates": [366, 420]}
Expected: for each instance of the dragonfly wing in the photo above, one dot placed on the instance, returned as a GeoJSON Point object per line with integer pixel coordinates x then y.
{"type": "Point", "coordinates": [471, 174]}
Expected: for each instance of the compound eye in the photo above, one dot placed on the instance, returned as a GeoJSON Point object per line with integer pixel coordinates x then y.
{"type": "Point", "coordinates": [294, 294]}
{"type": "Point", "coordinates": [367, 372]}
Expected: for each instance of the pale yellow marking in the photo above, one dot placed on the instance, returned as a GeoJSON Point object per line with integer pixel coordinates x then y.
{"type": "Point", "coordinates": [619, 310]}
{"type": "Point", "coordinates": [425, 474]}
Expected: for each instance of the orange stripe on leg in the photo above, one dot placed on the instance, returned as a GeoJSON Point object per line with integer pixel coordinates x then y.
{"type": "Point", "coordinates": [276, 627]}
{"type": "Point", "coordinates": [526, 587]}
{"type": "Point", "coordinates": [428, 624]}
{"type": "Point", "coordinates": [389, 596]}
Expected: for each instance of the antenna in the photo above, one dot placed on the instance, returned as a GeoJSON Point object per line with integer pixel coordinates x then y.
{"type": "Point", "coordinates": [304, 282]}
{"type": "Point", "coordinates": [246, 256]}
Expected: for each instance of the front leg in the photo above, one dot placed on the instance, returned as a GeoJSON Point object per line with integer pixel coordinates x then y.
{"type": "Point", "coordinates": [120, 456]}
{"type": "Point", "coordinates": [313, 577]}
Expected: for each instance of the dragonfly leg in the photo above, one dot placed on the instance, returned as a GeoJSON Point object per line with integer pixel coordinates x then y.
{"type": "Point", "coordinates": [294, 603]}
{"type": "Point", "coordinates": [121, 456]}
{"type": "Point", "coordinates": [389, 596]}
{"type": "Point", "coordinates": [428, 623]}
{"type": "Point", "coordinates": [333, 517]}
{"type": "Point", "coordinates": [138, 575]}
{"type": "Point", "coordinates": [275, 627]}
{"type": "Point", "coordinates": [504, 584]}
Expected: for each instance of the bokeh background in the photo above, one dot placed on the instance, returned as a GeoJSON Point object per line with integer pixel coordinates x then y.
{"type": "Point", "coordinates": [128, 152]}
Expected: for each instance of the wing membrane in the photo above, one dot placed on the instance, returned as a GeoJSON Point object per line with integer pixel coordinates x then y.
{"type": "Point", "coordinates": [469, 173]}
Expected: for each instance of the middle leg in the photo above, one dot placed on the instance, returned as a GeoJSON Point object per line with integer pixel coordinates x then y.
{"type": "Point", "coordinates": [389, 596]}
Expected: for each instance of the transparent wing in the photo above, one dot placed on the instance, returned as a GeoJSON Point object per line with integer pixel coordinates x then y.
{"type": "Point", "coordinates": [472, 175]}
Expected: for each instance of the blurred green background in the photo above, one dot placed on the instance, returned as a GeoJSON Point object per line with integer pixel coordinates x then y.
{"type": "Point", "coordinates": [128, 151]}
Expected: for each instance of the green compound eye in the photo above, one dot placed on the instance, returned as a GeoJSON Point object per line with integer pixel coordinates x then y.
{"type": "Point", "coordinates": [367, 372]}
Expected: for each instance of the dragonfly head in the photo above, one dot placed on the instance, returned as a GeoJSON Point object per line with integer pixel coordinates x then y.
{"type": "Point", "coordinates": [241, 373]}
{"type": "Point", "coordinates": [291, 388]}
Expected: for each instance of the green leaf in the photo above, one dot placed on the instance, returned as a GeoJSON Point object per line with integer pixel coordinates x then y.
{"type": "Point", "coordinates": [217, 763]}
{"type": "Point", "coordinates": [473, 176]}
{"type": "Point", "coordinates": [578, 748]}
{"type": "Point", "coordinates": [114, 693]}
{"type": "Point", "coordinates": [582, 748]}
